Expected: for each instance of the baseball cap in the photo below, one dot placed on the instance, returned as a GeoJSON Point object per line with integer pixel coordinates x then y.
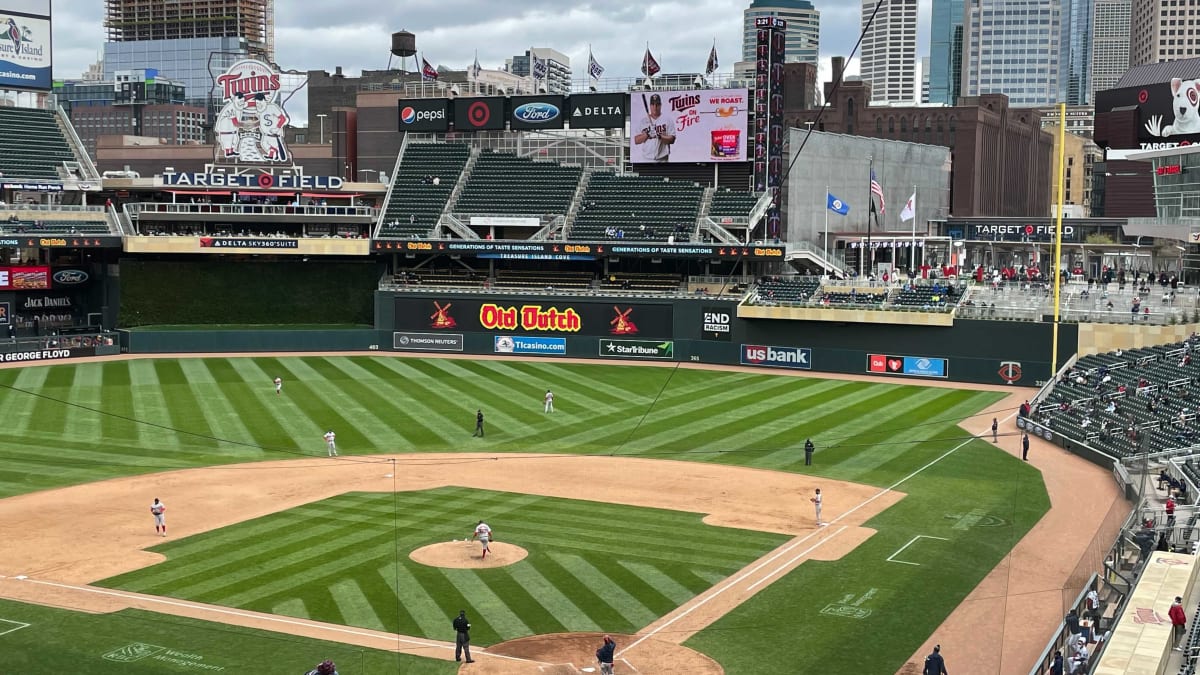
{"type": "Point", "coordinates": [654, 98]}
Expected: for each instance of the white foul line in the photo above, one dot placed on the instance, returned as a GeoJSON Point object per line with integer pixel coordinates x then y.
{"type": "Point", "coordinates": [264, 617]}
{"type": "Point", "coordinates": [794, 558]}
{"type": "Point", "coordinates": [803, 539]}
{"type": "Point", "coordinates": [910, 541]}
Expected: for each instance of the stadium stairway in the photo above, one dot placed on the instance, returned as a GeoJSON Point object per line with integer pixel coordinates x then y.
{"type": "Point", "coordinates": [639, 208]}
{"type": "Point", "coordinates": [503, 184]}
{"type": "Point", "coordinates": [415, 204]}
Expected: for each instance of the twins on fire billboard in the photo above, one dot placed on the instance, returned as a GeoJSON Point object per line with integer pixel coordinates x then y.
{"type": "Point", "coordinates": [706, 125]}
{"type": "Point", "coordinates": [569, 318]}
{"type": "Point", "coordinates": [252, 120]}
{"type": "Point", "coordinates": [1168, 112]}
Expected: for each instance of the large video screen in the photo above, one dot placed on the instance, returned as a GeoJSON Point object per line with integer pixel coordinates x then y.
{"type": "Point", "coordinates": [1168, 112]}
{"type": "Point", "coordinates": [702, 125]}
{"type": "Point", "coordinates": [25, 52]}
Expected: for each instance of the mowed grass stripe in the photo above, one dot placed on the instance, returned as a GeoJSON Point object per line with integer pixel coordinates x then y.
{"type": "Point", "coordinates": [118, 425]}
{"type": "Point", "coordinates": [306, 414]}
{"type": "Point", "coordinates": [49, 415]}
{"type": "Point", "coordinates": [426, 616]}
{"type": "Point", "coordinates": [597, 609]}
{"type": "Point", "coordinates": [512, 407]}
{"type": "Point", "coordinates": [619, 599]}
{"type": "Point", "coordinates": [184, 412]}
{"type": "Point", "coordinates": [219, 414]}
{"type": "Point", "coordinates": [532, 612]}
{"type": "Point", "coordinates": [354, 606]}
{"type": "Point", "coordinates": [440, 426]}
{"type": "Point", "coordinates": [388, 412]}
{"type": "Point", "coordinates": [87, 392]}
{"type": "Point", "coordinates": [578, 394]}
{"type": "Point", "coordinates": [489, 607]}
{"type": "Point", "coordinates": [267, 431]}
{"type": "Point", "coordinates": [368, 431]}
{"type": "Point", "coordinates": [149, 406]}
{"type": "Point", "coordinates": [668, 585]}
{"type": "Point", "coordinates": [608, 385]}
{"type": "Point", "coordinates": [502, 414]}
{"type": "Point", "coordinates": [565, 611]}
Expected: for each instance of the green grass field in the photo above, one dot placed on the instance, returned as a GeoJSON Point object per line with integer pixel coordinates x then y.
{"type": "Point", "coordinates": [221, 410]}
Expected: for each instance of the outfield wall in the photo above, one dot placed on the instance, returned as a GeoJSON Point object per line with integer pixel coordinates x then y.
{"type": "Point", "coordinates": [709, 331]}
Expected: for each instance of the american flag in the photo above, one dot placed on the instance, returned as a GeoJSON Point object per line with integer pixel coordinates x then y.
{"type": "Point", "coordinates": [877, 191]}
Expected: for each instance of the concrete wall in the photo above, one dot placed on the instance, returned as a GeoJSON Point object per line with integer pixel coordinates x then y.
{"type": "Point", "coordinates": [1097, 338]}
{"type": "Point", "coordinates": [838, 163]}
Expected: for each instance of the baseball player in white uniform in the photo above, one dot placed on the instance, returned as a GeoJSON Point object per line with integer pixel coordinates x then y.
{"type": "Point", "coordinates": [278, 386]}
{"type": "Point", "coordinates": [331, 443]}
{"type": "Point", "coordinates": [160, 519]}
{"type": "Point", "coordinates": [656, 132]}
{"type": "Point", "coordinates": [549, 401]}
{"type": "Point", "coordinates": [484, 534]}
{"type": "Point", "coordinates": [816, 500]}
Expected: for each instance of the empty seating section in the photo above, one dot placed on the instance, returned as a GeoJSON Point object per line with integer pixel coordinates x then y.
{"type": "Point", "coordinates": [59, 227]}
{"type": "Point", "coordinates": [507, 185]}
{"type": "Point", "coordinates": [416, 203]}
{"type": "Point", "coordinates": [851, 297]}
{"type": "Point", "coordinates": [729, 204]}
{"type": "Point", "coordinates": [636, 207]}
{"type": "Point", "coordinates": [439, 277]}
{"type": "Point", "coordinates": [799, 289]}
{"type": "Point", "coordinates": [1150, 389]}
{"type": "Point", "coordinates": [32, 146]}
{"type": "Point", "coordinates": [642, 282]}
{"type": "Point", "coordinates": [538, 279]}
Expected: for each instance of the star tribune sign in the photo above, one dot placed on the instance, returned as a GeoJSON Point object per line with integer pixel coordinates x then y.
{"type": "Point", "coordinates": [251, 124]}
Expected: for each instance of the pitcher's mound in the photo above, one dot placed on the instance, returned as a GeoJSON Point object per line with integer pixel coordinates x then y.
{"type": "Point", "coordinates": [579, 650]}
{"type": "Point", "coordinates": [466, 555]}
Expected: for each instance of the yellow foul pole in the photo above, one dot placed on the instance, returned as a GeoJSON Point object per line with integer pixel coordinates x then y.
{"type": "Point", "coordinates": [1062, 183]}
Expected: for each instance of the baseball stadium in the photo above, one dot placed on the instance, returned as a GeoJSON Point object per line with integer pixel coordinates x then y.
{"type": "Point", "coordinates": [260, 394]}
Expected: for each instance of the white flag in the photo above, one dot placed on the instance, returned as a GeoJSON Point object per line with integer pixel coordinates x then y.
{"type": "Point", "coordinates": [910, 209]}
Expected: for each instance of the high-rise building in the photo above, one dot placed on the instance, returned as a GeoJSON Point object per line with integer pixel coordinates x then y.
{"type": "Point", "coordinates": [889, 50]}
{"type": "Point", "coordinates": [802, 37]}
{"type": "Point", "coordinates": [190, 42]}
{"type": "Point", "coordinates": [924, 79]}
{"type": "Point", "coordinates": [945, 51]}
{"type": "Point", "coordinates": [1014, 47]}
{"type": "Point", "coordinates": [1161, 33]}
{"type": "Point", "coordinates": [1075, 85]}
{"type": "Point", "coordinates": [1110, 42]}
{"type": "Point", "coordinates": [558, 69]}
{"type": "Point", "coordinates": [135, 103]}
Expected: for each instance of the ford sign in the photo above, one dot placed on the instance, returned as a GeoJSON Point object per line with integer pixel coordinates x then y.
{"type": "Point", "coordinates": [70, 277]}
{"type": "Point", "coordinates": [538, 112]}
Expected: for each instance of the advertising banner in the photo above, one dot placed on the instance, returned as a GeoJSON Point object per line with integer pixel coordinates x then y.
{"type": "Point", "coordinates": [47, 354]}
{"type": "Point", "coordinates": [253, 242]}
{"type": "Point", "coordinates": [597, 111]}
{"type": "Point", "coordinates": [637, 349]}
{"type": "Point", "coordinates": [537, 112]}
{"type": "Point", "coordinates": [424, 114]}
{"type": "Point", "coordinates": [717, 322]}
{"type": "Point", "coordinates": [5, 314]}
{"type": "Point", "coordinates": [249, 245]}
{"type": "Point", "coordinates": [70, 277]}
{"type": "Point", "coordinates": [1168, 112]}
{"type": "Point", "coordinates": [554, 250]}
{"type": "Point", "coordinates": [25, 51]}
{"type": "Point", "coordinates": [705, 125]}
{"type": "Point", "coordinates": [524, 344]}
{"type": "Point", "coordinates": [59, 242]}
{"type": "Point", "coordinates": [428, 342]}
{"type": "Point", "coordinates": [479, 114]}
{"type": "Point", "coordinates": [799, 358]}
{"type": "Point", "coordinates": [24, 278]}
{"type": "Point", "coordinates": [558, 317]}
{"type": "Point", "coordinates": [250, 126]}
{"type": "Point", "coordinates": [914, 366]}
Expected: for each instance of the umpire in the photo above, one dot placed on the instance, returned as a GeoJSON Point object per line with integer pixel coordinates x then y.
{"type": "Point", "coordinates": [934, 665]}
{"type": "Point", "coordinates": [809, 449]}
{"type": "Point", "coordinates": [463, 642]}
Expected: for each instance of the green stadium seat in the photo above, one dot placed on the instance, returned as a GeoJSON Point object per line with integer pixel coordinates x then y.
{"type": "Point", "coordinates": [32, 146]}
{"type": "Point", "coordinates": [414, 207]}
{"type": "Point", "coordinates": [641, 208]}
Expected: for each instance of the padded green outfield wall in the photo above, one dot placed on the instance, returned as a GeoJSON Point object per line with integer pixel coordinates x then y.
{"type": "Point", "coordinates": [191, 292]}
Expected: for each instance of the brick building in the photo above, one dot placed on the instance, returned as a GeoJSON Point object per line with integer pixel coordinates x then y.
{"type": "Point", "coordinates": [1001, 157]}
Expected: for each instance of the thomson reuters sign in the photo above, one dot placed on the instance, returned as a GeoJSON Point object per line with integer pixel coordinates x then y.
{"type": "Point", "coordinates": [777, 357]}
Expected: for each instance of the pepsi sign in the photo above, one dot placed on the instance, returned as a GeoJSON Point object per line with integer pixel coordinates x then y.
{"type": "Point", "coordinates": [777, 357]}
{"type": "Point", "coordinates": [425, 114]}
{"type": "Point", "coordinates": [537, 112]}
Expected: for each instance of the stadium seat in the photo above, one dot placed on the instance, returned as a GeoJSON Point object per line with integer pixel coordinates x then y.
{"type": "Point", "coordinates": [415, 205]}
{"type": "Point", "coordinates": [32, 145]}
{"type": "Point", "coordinates": [799, 289]}
{"type": "Point", "coordinates": [507, 185]}
{"type": "Point", "coordinates": [729, 204]}
{"type": "Point", "coordinates": [637, 208]}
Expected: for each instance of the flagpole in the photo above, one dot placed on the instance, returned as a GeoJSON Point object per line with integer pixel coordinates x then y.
{"type": "Point", "coordinates": [825, 248]}
{"type": "Point", "coordinates": [912, 257]}
{"type": "Point", "coordinates": [871, 203]}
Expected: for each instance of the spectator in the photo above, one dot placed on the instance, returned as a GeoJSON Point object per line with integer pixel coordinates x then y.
{"type": "Point", "coordinates": [1178, 622]}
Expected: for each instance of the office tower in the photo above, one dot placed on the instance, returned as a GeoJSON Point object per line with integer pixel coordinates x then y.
{"type": "Point", "coordinates": [945, 51]}
{"type": "Point", "coordinates": [189, 42]}
{"type": "Point", "coordinates": [1014, 47]}
{"type": "Point", "coordinates": [924, 79]}
{"type": "Point", "coordinates": [802, 37]}
{"type": "Point", "coordinates": [1161, 33]}
{"type": "Point", "coordinates": [557, 79]}
{"type": "Point", "coordinates": [1075, 86]}
{"type": "Point", "coordinates": [1110, 42]}
{"type": "Point", "coordinates": [889, 50]}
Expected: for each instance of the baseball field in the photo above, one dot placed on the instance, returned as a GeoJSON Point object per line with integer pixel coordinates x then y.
{"type": "Point", "coordinates": [667, 506]}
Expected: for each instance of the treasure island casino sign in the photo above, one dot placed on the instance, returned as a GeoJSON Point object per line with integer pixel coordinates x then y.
{"type": "Point", "coordinates": [522, 316]}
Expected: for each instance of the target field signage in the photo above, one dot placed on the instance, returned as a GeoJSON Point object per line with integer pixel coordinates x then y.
{"type": "Point", "coordinates": [479, 114]}
{"type": "Point", "coordinates": [256, 181]}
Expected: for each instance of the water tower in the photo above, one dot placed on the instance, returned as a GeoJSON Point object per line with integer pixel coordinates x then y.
{"type": "Point", "coordinates": [404, 45]}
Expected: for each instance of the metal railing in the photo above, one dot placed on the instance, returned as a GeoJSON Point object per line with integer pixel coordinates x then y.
{"type": "Point", "coordinates": [77, 144]}
{"type": "Point", "coordinates": [50, 208]}
{"type": "Point", "coordinates": [387, 197]}
{"type": "Point", "coordinates": [252, 209]}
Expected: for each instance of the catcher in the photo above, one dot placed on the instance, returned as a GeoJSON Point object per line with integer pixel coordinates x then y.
{"type": "Point", "coordinates": [484, 534]}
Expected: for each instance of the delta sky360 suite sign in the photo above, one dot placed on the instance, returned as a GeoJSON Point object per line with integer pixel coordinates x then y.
{"type": "Point", "coordinates": [688, 126]}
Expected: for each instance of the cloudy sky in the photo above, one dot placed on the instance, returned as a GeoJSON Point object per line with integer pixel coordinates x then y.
{"type": "Point", "coordinates": [355, 34]}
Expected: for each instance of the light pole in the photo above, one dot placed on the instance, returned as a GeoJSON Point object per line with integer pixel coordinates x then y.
{"type": "Point", "coordinates": [322, 116]}
{"type": "Point", "coordinates": [368, 171]}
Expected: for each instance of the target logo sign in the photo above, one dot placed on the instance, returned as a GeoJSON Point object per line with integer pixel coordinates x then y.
{"type": "Point", "coordinates": [479, 114]}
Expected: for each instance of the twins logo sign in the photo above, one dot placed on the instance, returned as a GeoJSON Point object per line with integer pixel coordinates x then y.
{"type": "Point", "coordinates": [1010, 371]}
{"type": "Point", "coordinates": [250, 125]}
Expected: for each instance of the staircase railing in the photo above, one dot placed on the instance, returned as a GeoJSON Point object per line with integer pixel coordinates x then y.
{"type": "Point", "coordinates": [387, 197]}
{"type": "Point", "coordinates": [68, 130]}
{"type": "Point", "coordinates": [576, 202]}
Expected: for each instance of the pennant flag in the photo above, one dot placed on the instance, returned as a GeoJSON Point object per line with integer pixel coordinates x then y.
{"type": "Point", "coordinates": [877, 191]}
{"type": "Point", "coordinates": [428, 72]}
{"type": "Point", "coordinates": [594, 68]}
{"type": "Point", "coordinates": [910, 209]}
{"type": "Point", "coordinates": [538, 68]}
{"type": "Point", "coordinates": [713, 63]}
{"type": "Point", "coordinates": [836, 205]}
{"type": "Point", "coordinates": [650, 66]}
{"type": "Point", "coordinates": [476, 68]}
